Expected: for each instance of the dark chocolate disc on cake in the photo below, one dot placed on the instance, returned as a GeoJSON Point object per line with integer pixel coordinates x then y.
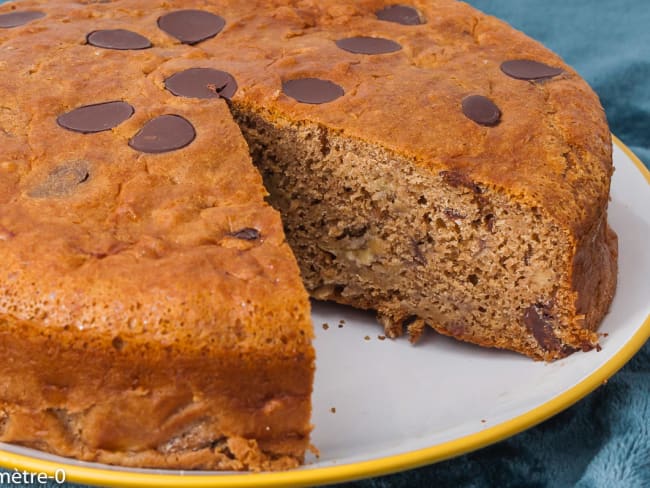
{"type": "Point", "coordinates": [191, 26]}
{"type": "Point", "coordinates": [368, 45]}
{"type": "Point", "coordinates": [14, 19]}
{"type": "Point", "coordinates": [481, 110]}
{"type": "Point", "coordinates": [527, 69]}
{"type": "Point", "coordinates": [95, 118]}
{"type": "Point", "coordinates": [312, 90]}
{"type": "Point", "coordinates": [163, 134]}
{"type": "Point", "coordinates": [120, 39]}
{"type": "Point", "coordinates": [202, 83]}
{"type": "Point", "coordinates": [400, 14]}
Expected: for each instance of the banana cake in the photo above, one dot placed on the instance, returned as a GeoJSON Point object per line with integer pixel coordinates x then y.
{"type": "Point", "coordinates": [176, 180]}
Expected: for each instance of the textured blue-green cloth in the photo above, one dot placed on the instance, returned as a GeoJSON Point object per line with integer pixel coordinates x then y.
{"type": "Point", "coordinates": [604, 440]}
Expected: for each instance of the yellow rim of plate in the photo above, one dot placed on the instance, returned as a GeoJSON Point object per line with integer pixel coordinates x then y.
{"type": "Point", "coordinates": [348, 472]}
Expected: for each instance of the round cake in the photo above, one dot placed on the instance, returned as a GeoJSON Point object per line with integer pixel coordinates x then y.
{"type": "Point", "coordinates": [423, 160]}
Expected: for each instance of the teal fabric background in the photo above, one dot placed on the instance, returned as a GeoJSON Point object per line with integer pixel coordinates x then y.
{"type": "Point", "coordinates": [604, 440]}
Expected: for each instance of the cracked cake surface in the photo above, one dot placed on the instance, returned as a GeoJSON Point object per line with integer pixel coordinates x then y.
{"type": "Point", "coordinates": [429, 162]}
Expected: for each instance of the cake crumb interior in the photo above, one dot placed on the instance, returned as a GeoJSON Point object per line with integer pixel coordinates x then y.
{"type": "Point", "coordinates": [372, 229]}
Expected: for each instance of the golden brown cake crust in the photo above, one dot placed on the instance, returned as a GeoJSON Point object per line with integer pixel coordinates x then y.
{"type": "Point", "coordinates": [558, 122]}
{"type": "Point", "coordinates": [128, 262]}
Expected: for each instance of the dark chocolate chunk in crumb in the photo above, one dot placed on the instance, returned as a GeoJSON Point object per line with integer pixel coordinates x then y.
{"type": "Point", "coordinates": [368, 45]}
{"type": "Point", "coordinates": [400, 14]}
{"type": "Point", "coordinates": [481, 110]}
{"type": "Point", "coordinates": [453, 214]}
{"type": "Point", "coordinates": [538, 321]}
{"type": "Point", "coordinates": [527, 69]}
{"type": "Point", "coordinates": [202, 83]}
{"type": "Point", "coordinates": [22, 17]}
{"type": "Point", "coordinates": [191, 26]}
{"type": "Point", "coordinates": [456, 178]}
{"type": "Point", "coordinates": [119, 39]}
{"type": "Point", "coordinates": [97, 117]}
{"type": "Point", "coordinates": [312, 90]}
{"type": "Point", "coordinates": [418, 256]}
{"type": "Point", "coordinates": [163, 134]}
{"type": "Point", "coordinates": [247, 234]}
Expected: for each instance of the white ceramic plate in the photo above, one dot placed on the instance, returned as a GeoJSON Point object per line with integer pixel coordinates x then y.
{"type": "Point", "coordinates": [382, 405]}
